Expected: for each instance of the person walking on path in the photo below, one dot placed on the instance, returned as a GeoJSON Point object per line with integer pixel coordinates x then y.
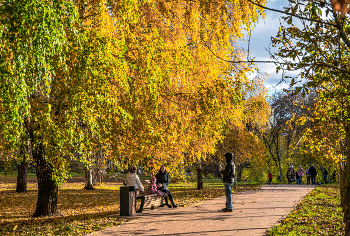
{"type": "Point", "coordinates": [132, 179]}
{"type": "Point", "coordinates": [290, 175]}
{"type": "Point", "coordinates": [228, 175]}
{"type": "Point", "coordinates": [313, 173]}
{"type": "Point", "coordinates": [270, 177]}
{"type": "Point", "coordinates": [163, 181]}
{"type": "Point", "coordinates": [308, 176]}
{"type": "Point", "coordinates": [300, 172]}
{"type": "Point", "coordinates": [325, 173]}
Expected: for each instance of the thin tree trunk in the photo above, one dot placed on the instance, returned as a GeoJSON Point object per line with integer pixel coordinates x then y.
{"type": "Point", "coordinates": [22, 172]}
{"type": "Point", "coordinates": [342, 183]}
{"type": "Point", "coordinates": [199, 175]}
{"type": "Point", "coordinates": [48, 188]}
{"type": "Point", "coordinates": [88, 179]}
{"type": "Point", "coordinates": [239, 173]}
{"type": "Point", "coordinates": [347, 187]}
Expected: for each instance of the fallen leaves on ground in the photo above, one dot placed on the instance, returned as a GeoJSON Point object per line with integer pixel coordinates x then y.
{"type": "Point", "coordinates": [81, 211]}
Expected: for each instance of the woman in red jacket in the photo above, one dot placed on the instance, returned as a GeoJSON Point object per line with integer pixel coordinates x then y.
{"type": "Point", "coordinates": [270, 177]}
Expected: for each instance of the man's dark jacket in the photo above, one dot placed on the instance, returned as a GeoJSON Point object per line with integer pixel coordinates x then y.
{"type": "Point", "coordinates": [312, 171]}
{"type": "Point", "coordinates": [228, 175]}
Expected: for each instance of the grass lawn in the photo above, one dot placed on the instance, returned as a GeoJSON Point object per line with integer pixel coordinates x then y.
{"type": "Point", "coordinates": [82, 211]}
{"type": "Point", "coordinates": [319, 213]}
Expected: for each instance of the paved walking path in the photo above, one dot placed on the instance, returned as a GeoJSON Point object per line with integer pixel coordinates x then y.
{"type": "Point", "coordinates": [254, 212]}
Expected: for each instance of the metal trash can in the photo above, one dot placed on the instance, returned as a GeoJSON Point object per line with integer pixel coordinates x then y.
{"type": "Point", "coordinates": [127, 198]}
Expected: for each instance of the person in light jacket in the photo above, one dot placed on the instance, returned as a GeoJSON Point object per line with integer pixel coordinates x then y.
{"type": "Point", "coordinates": [132, 179]}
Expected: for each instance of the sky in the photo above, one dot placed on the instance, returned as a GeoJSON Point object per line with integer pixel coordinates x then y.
{"type": "Point", "coordinates": [261, 40]}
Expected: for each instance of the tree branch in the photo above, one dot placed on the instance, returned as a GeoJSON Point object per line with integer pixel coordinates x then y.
{"type": "Point", "coordinates": [290, 14]}
{"type": "Point", "coordinates": [341, 30]}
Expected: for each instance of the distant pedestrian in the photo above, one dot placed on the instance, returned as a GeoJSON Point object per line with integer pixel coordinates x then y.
{"type": "Point", "coordinates": [308, 176]}
{"type": "Point", "coordinates": [325, 173]}
{"type": "Point", "coordinates": [313, 173]}
{"type": "Point", "coordinates": [139, 171]}
{"type": "Point", "coordinates": [290, 174]}
{"type": "Point", "coordinates": [228, 175]}
{"type": "Point", "coordinates": [270, 177]}
{"type": "Point", "coordinates": [300, 173]}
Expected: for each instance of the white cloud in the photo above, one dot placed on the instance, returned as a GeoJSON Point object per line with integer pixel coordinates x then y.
{"type": "Point", "coordinates": [260, 41]}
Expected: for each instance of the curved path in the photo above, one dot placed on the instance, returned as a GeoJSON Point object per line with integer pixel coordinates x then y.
{"type": "Point", "coordinates": [254, 211]}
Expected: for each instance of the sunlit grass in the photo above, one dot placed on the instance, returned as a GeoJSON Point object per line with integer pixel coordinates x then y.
{"type": "Point", "coordinates": [320, 213]}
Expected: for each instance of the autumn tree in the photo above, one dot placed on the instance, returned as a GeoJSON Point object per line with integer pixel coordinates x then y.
{"type": "Point", "coordinates": [243, 133]}
{"type": "Point", "coordinates": [49, 67]}
{"type": "Point", "coordinates": [319, 49]}
{"type": "Point", "coordinates": [286, 108]}
{"type": "Point", "coordinates": [140, 78]}
{"type": "Point", "coordinates": [326, 137]}
{"type": "Point", "coordinates": [181, 104]}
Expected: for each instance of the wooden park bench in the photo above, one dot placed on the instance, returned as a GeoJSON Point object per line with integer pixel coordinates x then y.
{"type": "Point", "coordinates": [150, 200]}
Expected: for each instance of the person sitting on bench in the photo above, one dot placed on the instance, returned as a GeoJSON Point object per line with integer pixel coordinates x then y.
{"type": "Point", "coordinates": [152, 187]}
{"type": "Point", "coordinates": [163, 181]}
{"type": "Point", "coordinates": [132, 179]}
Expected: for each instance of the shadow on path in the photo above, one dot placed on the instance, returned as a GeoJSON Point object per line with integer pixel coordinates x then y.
{"type": "Point", "coordinates": [255, 211]}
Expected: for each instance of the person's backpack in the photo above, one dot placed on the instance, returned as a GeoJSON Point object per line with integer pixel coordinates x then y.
{"type": "Point", "coordinates": [291, 173]}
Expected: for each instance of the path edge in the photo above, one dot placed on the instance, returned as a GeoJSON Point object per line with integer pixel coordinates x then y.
{"type": "Point", "coordinates": [285, 215]}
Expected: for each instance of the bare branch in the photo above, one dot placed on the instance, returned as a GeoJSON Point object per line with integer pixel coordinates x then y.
{"type": "Point", "coordinates": [290, 14]}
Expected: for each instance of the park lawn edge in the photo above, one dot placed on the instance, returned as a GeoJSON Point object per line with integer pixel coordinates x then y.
{"type": "Point", "coordinates": [319, 213]}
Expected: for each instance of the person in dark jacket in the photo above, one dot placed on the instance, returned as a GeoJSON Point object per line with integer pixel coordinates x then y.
{"type": "Point", "coordinates": [228, 175]}
{"type": "Point", "coordinates": [313, 173]}
{"type": "Point", "coordinates": [291, 174]}
{"type": "Point", "coordinates": [163, 181]}
{"type": "Point", "coordinates": [325, 173]}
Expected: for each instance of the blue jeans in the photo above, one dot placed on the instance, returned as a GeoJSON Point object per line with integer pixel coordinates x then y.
{"type": "Point", "coordinates": [300, 179]}
{"type": "Point", "coordinates": [313, 179]}
{"type": "Point", "coordinates": [228, 190]}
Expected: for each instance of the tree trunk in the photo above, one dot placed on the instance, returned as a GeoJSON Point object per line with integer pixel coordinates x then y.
{"type": "Point", "coordinates": [342, 183]}
{"type": "Point", "coordinates": [199, 176]}
{"type": "Point", "coordinates": [48, 189]}
{"type": "Point", "coordinates": [22, 173]}
{"type": "Point", "coordinates": [88, 179]}
{"type": "Point", "coordinates": [347, 176]}
{"type": "Point", "coordinates": [97, 177]}
{"type": "Point", "coordinates": [97, 171]}
{"type": "Point", "coordinates": [239, 173]}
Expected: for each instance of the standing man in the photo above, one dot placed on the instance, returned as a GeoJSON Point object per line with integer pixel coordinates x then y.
{"type": "Point", "coordinates": [313, 173]}
{"type": "Point", "coordinates": [228, 175]}
{"type": "Point", "coordinates": [325, 173]}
